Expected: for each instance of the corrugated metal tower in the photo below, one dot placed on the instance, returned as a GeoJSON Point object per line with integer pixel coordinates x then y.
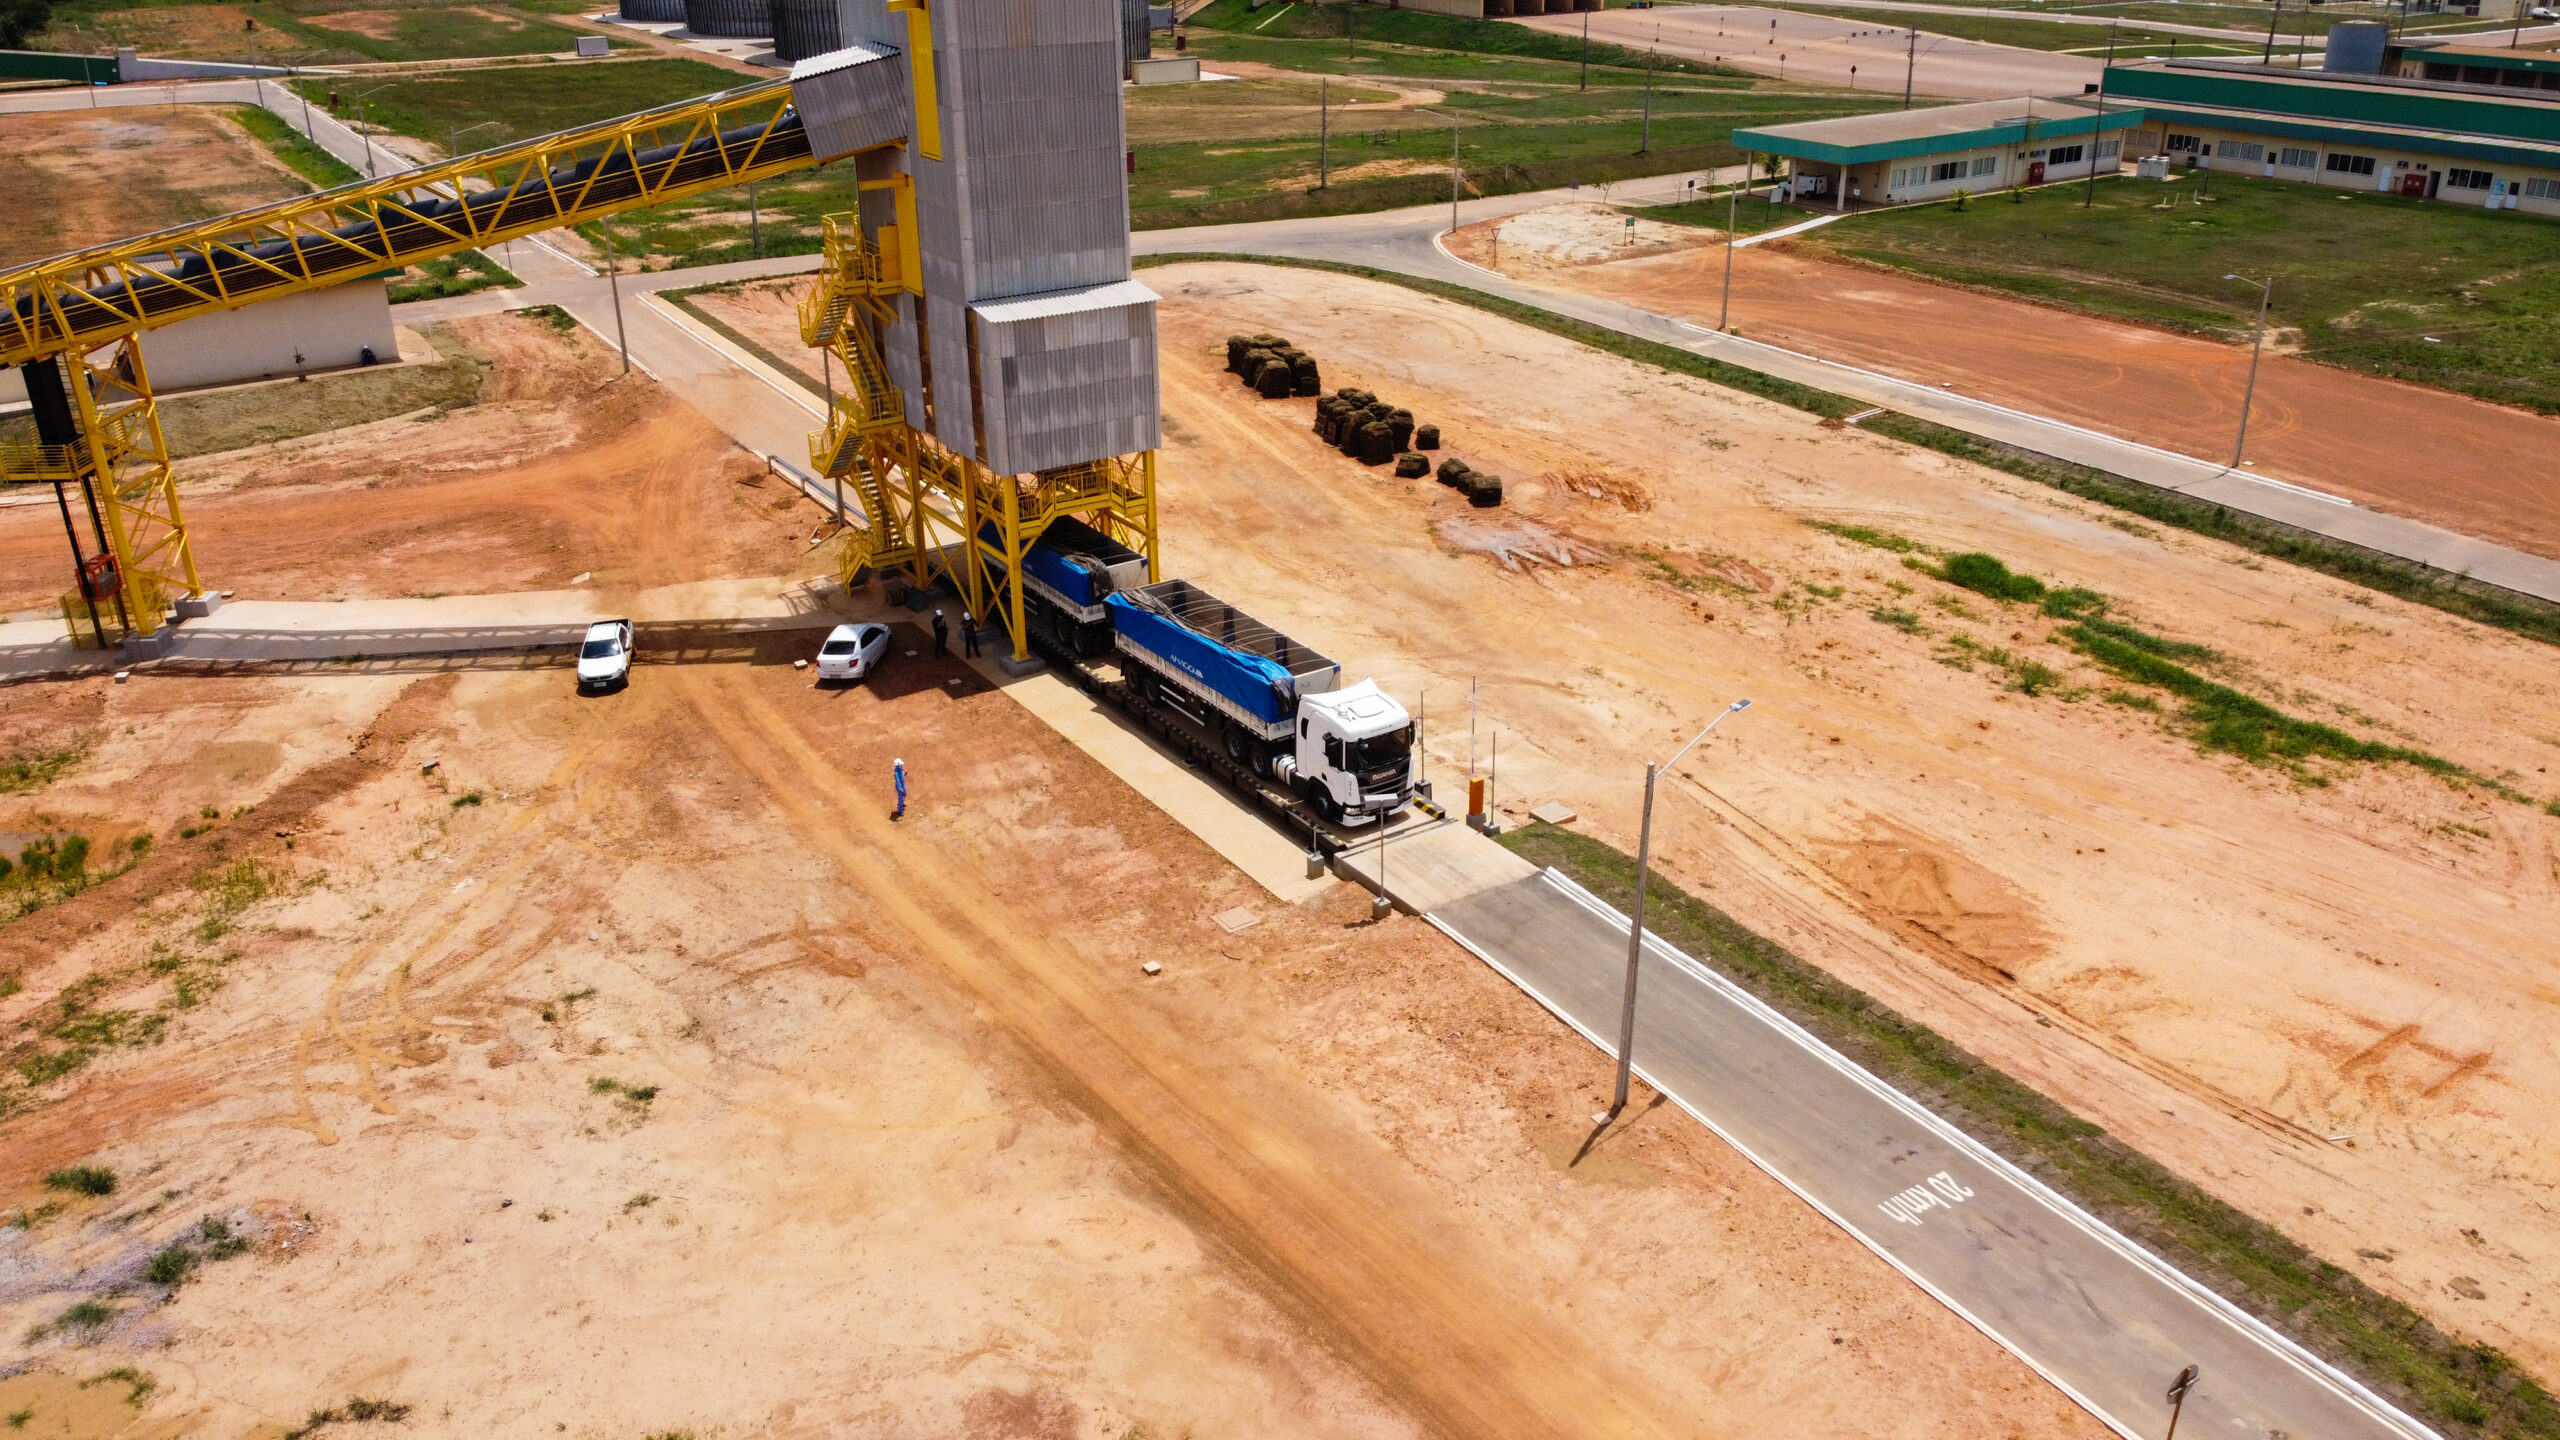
{"type": "Point", "coordinates": [731, 19]}
{"type": "Point", "coordinates": [655, 12]}
{"type": "Point", "coordinates": [1134, 41]}
{"type": "Point", "coordinates": [803, 28]}
{"type": "Point", "coordinates": [986, 283]}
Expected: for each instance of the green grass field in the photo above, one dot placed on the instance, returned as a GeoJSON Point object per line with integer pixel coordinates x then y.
{"type": "Point", "coordinates": [305, 159]}
{"type": "Point", "coordinates": [2440, 294]}
{"type": "Point", "coordinates": [316, 32]}
{"type": "Point", "coordinates": [1353, 29]}
{"type": "Point", "coordinates": [523, 100]}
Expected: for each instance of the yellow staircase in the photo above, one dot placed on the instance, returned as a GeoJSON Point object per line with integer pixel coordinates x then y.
{"type": "Point", "coordinates": [867, 423]}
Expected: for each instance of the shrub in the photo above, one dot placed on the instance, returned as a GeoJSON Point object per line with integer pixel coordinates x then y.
{"type": "Point", "coordinates": [83, 1180]}
{"type": "Point", "coordinates": [170, 1266]}
{"type": "Point", "coordinates": [1985, 575]}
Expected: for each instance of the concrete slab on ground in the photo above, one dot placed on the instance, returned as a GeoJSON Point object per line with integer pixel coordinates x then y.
{"type": "Point", "coordinates": [1430, 866]}
{"type": "Point", "coordinates": [1223, 821]}
{"type": "Point", "coordinates": [2099, 1316]}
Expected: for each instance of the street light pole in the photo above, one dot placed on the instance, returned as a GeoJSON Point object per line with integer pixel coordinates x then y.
{"type": "Point", "coordinates": [1586, 51]}
{"type": "Point", "coordinates": [2266, 292]}
{"type": "Point", "coordinates": [1324, 129]}
{"type": "Point", "coordinates": [453, 138]}
{"type": "Point", "coordinates": [613, 278]}
{"type": "Point", "coordinates": [1635, 929]}
{"type": "Point", "coordinates": [361, 137]}
{"type": "Point", "coordinates": [1910, 66]}
{"type": "Point", "coordinates": [2098, 127]}
{"type": "Point", "coordinates": [1732, 217]}
{"type": "Point", "coordinates": [1453, 177]}
{"type": "Point", "coordinates": [1646, 146]}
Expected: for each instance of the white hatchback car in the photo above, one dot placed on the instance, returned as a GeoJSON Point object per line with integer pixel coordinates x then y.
{"type": "Point", "coordinates": [604, 657]}
{"type": "Point", "coordinates": [852, 652]}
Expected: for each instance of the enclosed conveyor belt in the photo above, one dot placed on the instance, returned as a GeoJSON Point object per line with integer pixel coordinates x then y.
{"type": "Point", "coordinates": [850, 100]}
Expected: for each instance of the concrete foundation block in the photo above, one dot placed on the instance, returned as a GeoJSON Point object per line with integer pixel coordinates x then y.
{"type": "Point", "coordinates": [197, 607]}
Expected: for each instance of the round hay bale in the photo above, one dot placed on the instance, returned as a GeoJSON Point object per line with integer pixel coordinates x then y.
{"type": "Point", "coordinates": [1452, 470]}
{"type": "Point", "coordinates": [1377, 445]}
{"type": "Point", "coordinates": [1483, 491]}
{"type": "Point", "coordinates": [1410, 466]}
{"type": "Point", "coordinates": [1303, 371]}
{"type": "Point", "coordinates": [1426, 437]}
{"type": "Point", "coordinates": [1274, 383]}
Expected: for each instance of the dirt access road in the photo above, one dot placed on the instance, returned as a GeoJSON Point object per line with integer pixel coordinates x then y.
{"type": "Point", "coordinates": [2409, 450]}
{"type": "Point", "coordinates": [1822, 49]}
{"type": "Point", "coordinates": [2065, 885]}
{"type": "Point", "coordinates": [635, 1029]}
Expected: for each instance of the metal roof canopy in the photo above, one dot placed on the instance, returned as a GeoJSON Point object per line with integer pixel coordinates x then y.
{"type": "Point", "coordinates": [2387, 101]}
{"type": "Point", "coordinates": [2452, 145]}
{"type": "Point", "coordinates": [1899, 134]}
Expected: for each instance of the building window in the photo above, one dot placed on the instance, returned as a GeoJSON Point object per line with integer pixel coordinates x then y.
{"type": "Point", "coordinates": [2185, 144]}
{"type": "Point", "coordinates": [2110, 149]}
{"type": "Point", "coordinates": [2542, 189]}
{"type": "Point", "coordinates": [2342, 164]}
{"type": "Point", "coordinates": [2438, 70]}
{"type": "Point", "coordinates": [2065, 154]}
{"type": "Point", "coordinates": [2459, 179]}
{"type": "Point", "coordinates": [2293, 158]}
{"type": "Point", "coordinates": [2245, 151]}
{"type": "Point", "coordinates": [1898, 179]}
{"type": "Point", "coordinates": [1986, 165]}
{"type": "Point", "coordinates": [1946, 170]}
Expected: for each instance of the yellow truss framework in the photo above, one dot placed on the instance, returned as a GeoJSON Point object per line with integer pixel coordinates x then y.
{"type": "Point", "coordinates": [926, 507]}
{"type": "Point", "coordinates": [93, 303]}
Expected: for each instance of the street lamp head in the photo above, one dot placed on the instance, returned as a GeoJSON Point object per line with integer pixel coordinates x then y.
{"type": "Point", "coordinates": [2230, 277]}
{"type": "Point", "coordinates": [1738, 705]}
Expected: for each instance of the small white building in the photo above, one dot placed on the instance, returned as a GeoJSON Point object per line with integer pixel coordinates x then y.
{"type": "Point", "coordinates": [326, 329]}
{"type": "Point", "coordinates": [1894, 157]}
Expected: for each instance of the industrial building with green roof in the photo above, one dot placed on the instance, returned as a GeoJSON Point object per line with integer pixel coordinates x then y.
{"type": "Point", "coordinates": [2434, 122]}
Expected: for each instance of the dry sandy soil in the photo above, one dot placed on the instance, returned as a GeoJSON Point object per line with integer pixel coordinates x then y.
{"type": "Point", "coordinates": [551, 476]}
{"type": "Point", "coordinates": [671, 1086]}
{"type": "Point", "coordinates": [2223, 965]}
{"type": "Point", "coordinates": [78, 178]}
{"type": "Point", "coordinates": [2488, 470]}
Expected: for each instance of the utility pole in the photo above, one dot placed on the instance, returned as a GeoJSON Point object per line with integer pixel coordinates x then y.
{"type": "Point", "coordinates": [1910, 66]}
{"type": "Point", "coordinates": [2098, 127]}
{"type": "Point", "coordinates": [1586, 50]}
{"type": "Point", "coordinates": [2269, 58]}
{"type": "Point", "coordinates": [1635, 927]}
{"type": "Point", "coordinates": [613, 278]}
{"type": "Point", "coordinates": [1732, 215]}
{"type": "Point", "coordinates": [1453, 177]}
{"type": "Point", "coordinates": [2266, 292]}
{"type": "Point", "coordinates": [1324, 129]}
{"type": "Point", "coordinates": [1646, 146]}
{"type": "Point", "coordinates": [755, 224]}
{"type": "Point", "coordinates": [1351, 30]}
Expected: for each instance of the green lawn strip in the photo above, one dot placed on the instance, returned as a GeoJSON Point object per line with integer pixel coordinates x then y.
{"type": "Point", "coordinates": [2453, 296]}
{"type": "Point", "coordinates": [1992, 30]}
{"type": "Point", "coordinates": [2406, 579]}
{"type": "Point", "coordinates": [524, 100]}
{"type": "Point", "coordinates": [451, 275]}
{"type": "Point", "coordinates": [324, 170]}
{"type": "Point", "coordinates": [683, 300]}
{"type": "Point", "coordinates": [2469, 1389]}
{"type": "Point", "coordinates": [1374, 25]}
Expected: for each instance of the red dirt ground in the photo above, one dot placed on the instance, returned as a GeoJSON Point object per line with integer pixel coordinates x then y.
{"type": "Point", "coordinates": [2409, 450]}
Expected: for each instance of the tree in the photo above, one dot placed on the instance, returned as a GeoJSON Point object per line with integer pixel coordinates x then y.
{"type": "Point", "coordinates": [22, 21]}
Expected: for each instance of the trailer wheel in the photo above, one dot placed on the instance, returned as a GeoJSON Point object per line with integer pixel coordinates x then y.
{"type": "Point", "coordinates": [1237, 749]}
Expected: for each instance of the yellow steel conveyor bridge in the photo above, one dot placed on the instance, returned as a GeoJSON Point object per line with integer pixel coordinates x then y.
{"type": "Point", "coordinates": [73, 323]}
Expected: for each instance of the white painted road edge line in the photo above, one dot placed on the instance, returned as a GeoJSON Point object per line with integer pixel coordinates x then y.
{"type": "Point", "coordinates": [1609, 1048]}
{"type": "Point", "coordinates": [1816, 223]}
{"type": "Point", "coordinates": [2312, 1365]}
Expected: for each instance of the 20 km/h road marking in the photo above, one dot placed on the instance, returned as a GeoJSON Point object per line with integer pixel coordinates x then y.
{"type": "Point", "coordinates": [1941, 1191]}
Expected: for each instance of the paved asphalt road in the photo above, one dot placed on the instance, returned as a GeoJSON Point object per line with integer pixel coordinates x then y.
{"type": "Point", "coordinates": [2104, 1320]}
{"type": "Point", "coordinates": [1822, 49]}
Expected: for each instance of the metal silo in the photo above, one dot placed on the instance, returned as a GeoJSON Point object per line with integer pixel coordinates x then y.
{"type": "Point", "coordinates": [654, 12]}
{"type": "Point", "coordinates": [1134, 42]}
{"type": "Point", "coordinates": [802, 28]}
{"type": "Point", "coordinates": [729, 19]}
{"type": "Point", "coordinates": [2355, 47]}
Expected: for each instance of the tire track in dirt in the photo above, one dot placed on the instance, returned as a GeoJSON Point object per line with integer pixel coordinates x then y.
{"type": "Point", "coordinates": [1366, 1255]}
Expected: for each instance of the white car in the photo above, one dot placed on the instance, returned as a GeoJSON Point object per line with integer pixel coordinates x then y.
{"type": "Point", "coordinates": [604, 657]}
{"type": "Point", "coordinates": [852, 651]}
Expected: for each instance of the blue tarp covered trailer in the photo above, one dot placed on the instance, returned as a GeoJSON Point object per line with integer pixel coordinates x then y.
{"type": "Point", "coordinates": [1074, 566]}
{"type": "Point", "coordinates": [1234, 663]}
